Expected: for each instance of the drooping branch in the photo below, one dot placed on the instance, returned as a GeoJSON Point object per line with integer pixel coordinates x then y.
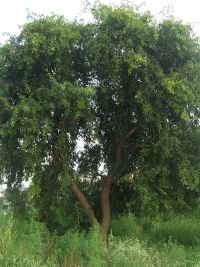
{"type": "Point", "coordinates": [138, 146]}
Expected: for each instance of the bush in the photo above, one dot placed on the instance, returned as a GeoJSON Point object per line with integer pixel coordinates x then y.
{"type": "Point", "coordinates": [127, 253]}
{"type": "Point", "coordinates": [79, 249]}
{"type": "Point", "coordinates": [29, 243]}
{"type": "Point", "coordinates": [126, 226]}
{"type": "Point", "coordinates": [183, 230]}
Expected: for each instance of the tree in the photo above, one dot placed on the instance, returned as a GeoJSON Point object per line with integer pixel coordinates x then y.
{"type": "Point", "coordinates": [125, 84]}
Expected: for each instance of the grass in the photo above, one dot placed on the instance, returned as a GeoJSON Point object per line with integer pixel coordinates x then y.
{"type": "Point", "coordinates": [170, 241]}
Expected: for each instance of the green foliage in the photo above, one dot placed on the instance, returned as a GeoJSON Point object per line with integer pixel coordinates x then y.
{"type": "Point", "coordinates": [23, 244]}
{"type": "Point", "coordinates": [177, 228]}
{"type": "Point", "coordinates": [128, 253]}
{"type": "Point", "coordinates": [18, 203]}
{"type": "Point", "coordinates": [76, 248]}
{"type": "Point", "coordinates": [144, 83]}
{"type": "Point", "coordinates": [45, 110]}
{"type": "Point", "coordinates": [126, 226]}
{"type": "Point", "coordinates": [125, 84]}
{"type": "Point", "coordinates": [29, 243]}
{"type": "Point", "coordinates": [171, 240]}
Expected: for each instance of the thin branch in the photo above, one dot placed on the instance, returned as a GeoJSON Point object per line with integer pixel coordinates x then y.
{"type": "Point", "coordinates": [131, 97]}
{"type": "Point", "coordinates": [52, 155]}
{"type": "Point", "coordinates": [139, 146]}
{"type": "Point", "coordinates": [56, 135]}
{"type": "Point", "coordinates": [62, 160]}
{"type": "Point", "coordinates": [63, 122]}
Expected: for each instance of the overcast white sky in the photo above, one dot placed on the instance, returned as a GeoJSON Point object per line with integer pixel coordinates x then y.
{"type": "Point", "coordinates": [13, 12]}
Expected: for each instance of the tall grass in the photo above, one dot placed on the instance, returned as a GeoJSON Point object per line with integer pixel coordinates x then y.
{"type": "Point", "coordinates": [30, 244]}
{"type": "Point", "coordinates": [170, 242]}
{"type": "Point", "coordinates": [78, 249]}
{"type": "Point", "coordinates": [178, 228]}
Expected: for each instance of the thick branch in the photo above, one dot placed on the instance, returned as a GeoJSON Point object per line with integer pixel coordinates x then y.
{"type": "Point", "coordinates": [119, 147]}
{"type": "Point", "coordinates": [131, 132]}
{"type": "Point", "coordinates": [80, 196]}
{"type": "Point", "coordinates": [62, 160]}
{"type": "Point", "coordinates": [56, 153]}
{"type": "Point", "coordinates": [82, 199]}
{"type": "Point", "coordinates": [56, 135]}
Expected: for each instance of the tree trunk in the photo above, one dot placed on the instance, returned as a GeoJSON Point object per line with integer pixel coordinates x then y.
{"type": "Point", "coordinates": [82, 199]}
{"type": "Point", "coordinates": [105, 206]}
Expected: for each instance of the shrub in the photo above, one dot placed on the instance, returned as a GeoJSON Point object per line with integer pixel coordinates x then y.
{"type": "Point", "coordinates": [183, 230]}
{"type": "Point", "coordinates": [126, 226]}
{"type": "Point", "coordinates": [127, 253]}
{"type": "Point", "coordinates": [78, 249]}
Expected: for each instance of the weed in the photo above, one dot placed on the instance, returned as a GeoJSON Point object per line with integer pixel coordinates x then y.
{"type": "Point", "coordinates": [158, 243]}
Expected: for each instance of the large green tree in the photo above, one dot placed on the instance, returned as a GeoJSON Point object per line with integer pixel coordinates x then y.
{"type": "Point", "coordinates": [128, 86]}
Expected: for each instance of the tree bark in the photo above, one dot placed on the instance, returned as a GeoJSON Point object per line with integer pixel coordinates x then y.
{"type": "Point", "coordinates": [105, 192]}
{"type": "Point", "coordinates": [82, 199]}
{"type": "Point", "coordinates": [105, 206]}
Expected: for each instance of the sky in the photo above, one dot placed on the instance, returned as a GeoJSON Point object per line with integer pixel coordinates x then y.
{"type": "Point", "coordinates": [13, 13]}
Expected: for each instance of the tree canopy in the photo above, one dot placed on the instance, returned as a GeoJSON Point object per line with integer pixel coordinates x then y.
{"type": "Point", "coordinates": [125, 84]}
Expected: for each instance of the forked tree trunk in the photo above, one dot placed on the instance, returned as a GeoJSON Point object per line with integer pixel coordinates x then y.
{"type": "Point", "coordinates": [105, 192]}
{"type": "Point", "coordinates": [105, 205]}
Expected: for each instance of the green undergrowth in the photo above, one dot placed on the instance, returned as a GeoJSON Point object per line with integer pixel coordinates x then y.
{"type": "Point", "coordinates": [170, 240]}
